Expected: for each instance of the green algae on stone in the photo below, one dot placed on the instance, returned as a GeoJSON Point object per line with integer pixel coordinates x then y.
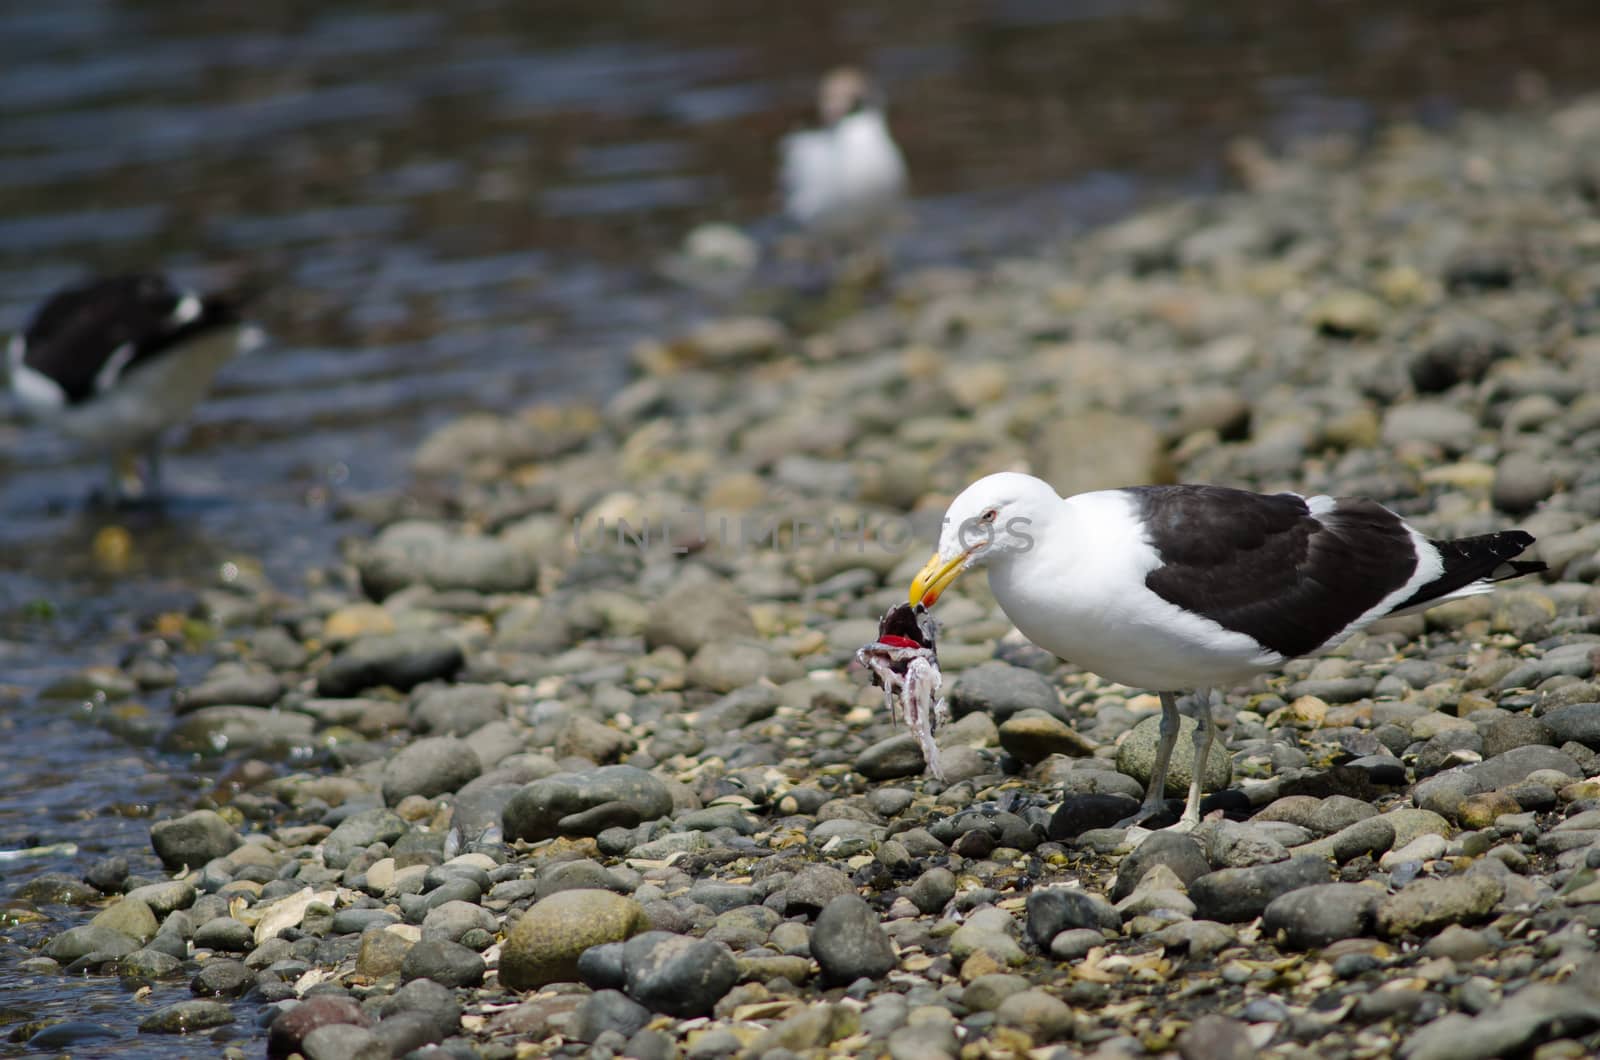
{"type": "Point", "coordinates": [546, 943]}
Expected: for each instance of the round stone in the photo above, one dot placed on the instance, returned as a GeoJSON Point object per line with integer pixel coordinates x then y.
{"type": "Point", "coordinates": [546, 943]}
{"type": "Point", "coordinates": [849, 943]}
{"type": "Point", "coordinates": [1136, 756]}
{"type": "Point", "coordinates": [676, 974]}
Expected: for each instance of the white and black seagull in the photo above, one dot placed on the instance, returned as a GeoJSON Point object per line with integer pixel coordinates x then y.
{"type": "Point", "coordinates": [115, 361]}
{"type": "Point", "coordinates": [846, 179]}
{"type": "Point", "coordinates": [1177, 588]}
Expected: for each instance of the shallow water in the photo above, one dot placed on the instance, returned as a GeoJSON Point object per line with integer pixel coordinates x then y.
{"type": "Point", "coordinates": [462, 206]}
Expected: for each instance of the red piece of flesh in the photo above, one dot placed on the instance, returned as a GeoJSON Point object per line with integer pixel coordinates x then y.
{"type": "Point", "coordinates": [897, 641]}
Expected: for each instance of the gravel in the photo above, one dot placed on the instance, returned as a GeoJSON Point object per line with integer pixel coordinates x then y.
{"type": "Point", "coordinates": [490, 784]}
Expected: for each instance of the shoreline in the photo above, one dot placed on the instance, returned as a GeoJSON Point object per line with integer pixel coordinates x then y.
{"type": "Point", "coordinates": [702, 796]}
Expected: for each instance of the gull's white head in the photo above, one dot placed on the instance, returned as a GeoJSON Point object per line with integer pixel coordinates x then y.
{"type": "Point", "coordinates": [843, 92]}
{"type": "Point", "coordinates": [997, 517]}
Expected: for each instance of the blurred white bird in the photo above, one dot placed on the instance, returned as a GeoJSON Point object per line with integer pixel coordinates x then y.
{"type": "Point", "coordinates": [115, 361]}
{"type": "Point", "coordinates": [845, 181]}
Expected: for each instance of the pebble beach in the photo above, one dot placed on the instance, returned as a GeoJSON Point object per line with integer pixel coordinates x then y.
{"type": "Point", "coordinates": [568, 756]}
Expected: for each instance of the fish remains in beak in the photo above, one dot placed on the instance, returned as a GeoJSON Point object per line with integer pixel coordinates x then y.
{"type": "Point", "coordinates": [905, 664]}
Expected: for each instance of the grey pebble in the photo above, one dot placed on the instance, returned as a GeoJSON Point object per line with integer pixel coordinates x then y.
{"type": "Point", "coordinates": [698, 610]}
{"type": "Point", "coordinates": [1002, 690]}
{"type": "Point", "coordinates": [1136, 756]}
{"type": "Point", "coordinates": [1074, 943]}
{"type": "Point", "coordinates": [583, 874]}
{"type": "Point", "coordinates": [726, 665]}
{"type": "Point", "coordinates": [151, 962]}
{"type": "Point", "coordinates": [1334, 689]}
{"type": "Point", "coordinates": [1215, 1037]}
{"type": "Point", "coordinates": [1234, 895]}
{"type": "Point", "coordinates": [891, 758]}
{"type": "Point", "coordinates": [352, 920]}
{"type": "Point", "coordinates": [404, 1032]}
{"type": "Point", "coordinates": [745, 928]}
{"type": "Point", "coordinates": [226, 934]}
{"type": "Point", "coordinates": [1312, 917]}
{"type": "Point", "coordinates": [604, 966]}
{"type": "Point", "coordinates": [890, 802]}
{"type": "Point", "coordinates": [1521, 481]}
{"type": "Point", "coordinates": [193, 839]}
{"type": "Point", "coordinates": [428, 998]}
{"type": "Point", "coordinates": [849, 943]}
{"type": "Point", "coordinates": [1230, 844]}
{"type": "Point", "coordinates": [454, 919]}
{"type": "Point", "coordinates": [677, 975]}
{"type": "Point", "coordinates": [609, 1010]}
{"type": "Point", "coordinates": [1432, 422]}
{"type": "Point", "coordinates": [165, 897]}
{"type": "Point", "coordinates": [1052, 910]}
{"type": "Point", "coordinates": [1180, 853]}
{"type": "Point", "coordinates": [396, 660]}
{"type": "Point", "coordinates": [1512, 731]}
{"type": "Point", "coordinates": [1323, 816]}
{"type": "Point", "coordinates": [430, 766]}
{"type": "Point", "coordinates": [722, 897]}
{"type": "Point", "coordinates": [932, 890]}
{"type": "Point", "coordinates": [1505, 1029]}
{"type": "Point", "coordinates": [222, 978]}
{"type": "Point", "coordinates": [77, 942]}
{"type": "Point", "coordinates": [171, 943]}
{"type": "Point", "coordinates": [445, 962]}
{"type": "Point", "coordinates": [457, 710]}
{"type": "Point", "coordinates": [813, 887]}
{"type": "Point", "coordinates": [1577, 722]}
{"type": "Point", "coordinates": [186, 1017]}
{"type": "Point", "coordinates": [230, 684]}
{"type": "Point", "coordinates": [924, 1041]}
{"type": "Point", "coordinates": [1428, 905]}
{"type": "Point", "coordinates": [1371, 835]}
{"type": "Point", "coordinates": [359, 831]}
{"type": "Point", "coordinates": [1040, 1014]}
{"type": "Point", "coordinates": [566, 803]}
{"type": "Point", "coordinates": [344, 1041]}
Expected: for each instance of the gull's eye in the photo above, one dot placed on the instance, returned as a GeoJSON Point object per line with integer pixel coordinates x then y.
{"type": "Point", "coordinates": [989, 515]}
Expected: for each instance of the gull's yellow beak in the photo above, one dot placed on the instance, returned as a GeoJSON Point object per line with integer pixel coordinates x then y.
{"type": "Point", "coordinates": [935, 577]}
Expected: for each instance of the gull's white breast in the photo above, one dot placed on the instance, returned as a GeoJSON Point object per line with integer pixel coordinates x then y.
{"type": "Point", "coordinates": [151, 396]}
{"type": "Point", "coordinates": [842, 177]}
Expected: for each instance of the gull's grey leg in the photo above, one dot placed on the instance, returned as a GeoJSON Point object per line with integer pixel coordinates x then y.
{"type": "Point", "coordinates": [1155, 794]}
{"type": "Point", "coordinates": [153, 489]}
{"type": "Point", "coordinates": [114, 495]}
{"type": "Point", "coordinates": [1204, 734]}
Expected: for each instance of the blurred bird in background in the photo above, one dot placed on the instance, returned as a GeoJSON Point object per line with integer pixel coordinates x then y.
{"type": "Point", "coordinates": [844, 183]}
{"type": "Point", "coordinates": [115, 361]}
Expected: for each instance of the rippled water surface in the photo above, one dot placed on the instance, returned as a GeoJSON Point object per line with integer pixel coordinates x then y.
{"type": "Point", "coordinates": [461, 206]}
